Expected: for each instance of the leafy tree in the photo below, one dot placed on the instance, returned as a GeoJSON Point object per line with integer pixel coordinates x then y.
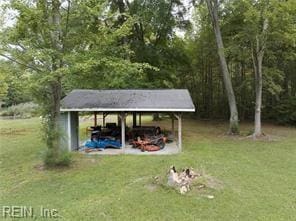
{"type": "Point", "coordinates": [202, 76]}
{"type": "Point", "coordinates": [233, 121]}
{"type": "Point", "coordinates": [259, 28]}
{"type": "Point", "coordinates": [258, 23]}
{"type": "Point", "coordinates": [153, 38]}
{"type": "Point", "coordinates": [4, 83]}
{"type": "Point", "coordinates": [12, 89]}
{"type": "Point", "coordinates": [62, 43]}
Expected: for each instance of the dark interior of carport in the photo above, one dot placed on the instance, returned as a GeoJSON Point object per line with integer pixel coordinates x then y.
{"type": "Point", "coordinates": [136, 102]}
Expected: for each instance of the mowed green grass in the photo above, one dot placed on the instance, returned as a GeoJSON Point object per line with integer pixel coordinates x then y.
{"type": "Point", "coordinates": [259, 177]}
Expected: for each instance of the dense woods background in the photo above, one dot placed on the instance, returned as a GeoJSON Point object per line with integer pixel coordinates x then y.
{"type": "Point", "coordinates": [150, 44]}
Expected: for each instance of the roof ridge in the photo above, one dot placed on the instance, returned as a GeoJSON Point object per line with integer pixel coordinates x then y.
{"type": "Point", "coordinates": [128, 99]}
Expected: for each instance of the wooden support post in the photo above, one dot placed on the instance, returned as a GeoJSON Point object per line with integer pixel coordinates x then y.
{"type": "Point", "coordinates": [134, 119]}
{"type": "Point", "coordinates": [118, 120]}
{"type": "Point", "coordinates": [140, 119]}
{"type": "Point", "coordinates": [173, 127]}
{"type": "Point", "coordinates": [180, 132]}
{"type": "Point", "coordinates": [72, 130]}
{"type": "Point", "coordinates": [179, 117]}
{"type": "Point", "coordinates": [104, 119]}
{"type": "Point", "coordinates": [69, 131]}
{"type": "Point", "coordinates": [122, 130]}
{"type": "Point", "coordinates": [95, 119]}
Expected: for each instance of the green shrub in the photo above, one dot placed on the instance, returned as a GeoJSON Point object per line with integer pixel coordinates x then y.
{"type": "Point", "coordinates": [285, 111]}
{"type": "Point", "coordinates": [62, 159]}
{"type": "Point", "coordinates": [23, 110]}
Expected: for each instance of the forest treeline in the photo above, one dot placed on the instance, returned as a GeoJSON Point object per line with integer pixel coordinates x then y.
{"type": "Point", "coordinates": [157, 44]}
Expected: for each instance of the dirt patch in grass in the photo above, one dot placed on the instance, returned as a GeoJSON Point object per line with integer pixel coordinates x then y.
{"type": "Point", "coordinates": [211, 182]}
{"type": "Point", "coordinates": [146, 181]}
{"type": "Point", "coordinates": [14, 131]}
{"type": "Point", "coordinates": [263, 137]}
{"type": "Point", "coordinates": [244, 136]}
{"type": "Point", "coordinates": [151, 187]}
{"type": "Point", "coordinates": [39, 167]}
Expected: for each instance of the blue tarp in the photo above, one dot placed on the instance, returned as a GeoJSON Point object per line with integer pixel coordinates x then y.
{"type": "Point", "coordinates": [102, 143]}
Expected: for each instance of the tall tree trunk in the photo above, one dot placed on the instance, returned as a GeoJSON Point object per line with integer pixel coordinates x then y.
{"type": "Point", "coordinates": [257, 56]}
{"type": "Point", "coordinates": [213, 11]}
{"type": "Point", "coordinates": [55, 115]}
{"type": "Point", "coordinates": [257, 62]}
{"type": "Point", "coordinates": [210, 91]}
{"type": "Point", "coordinates": [243, 91]}
{"type": "Point", "coordinates": [55, 84]}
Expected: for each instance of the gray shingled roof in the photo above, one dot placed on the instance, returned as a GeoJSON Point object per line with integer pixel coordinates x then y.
{"type": "Point", "coordinates": [166, 100]}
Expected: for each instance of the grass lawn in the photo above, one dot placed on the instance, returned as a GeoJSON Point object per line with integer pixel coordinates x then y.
{"type": "Point", "coordinates": [259, 178]}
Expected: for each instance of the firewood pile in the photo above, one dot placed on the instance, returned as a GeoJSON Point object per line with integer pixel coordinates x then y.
{"type": "Point", "coordinates": [189, 179]}
{"type": "Point", "coordinates": [182, 180]}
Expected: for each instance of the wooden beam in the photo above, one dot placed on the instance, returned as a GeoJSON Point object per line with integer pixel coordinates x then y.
{"type": "Point", "coordinates": [95, 119]}
{"type": "Point", "coordinates": [77, 130]}
{"type": "Point", "coordinates": [173, 127]}
{"type": "Point", "coordinates": [118, 120]}
{"type": "Point", "coordinates": [179, 131]}
{"type": "Point", "coordinates": [134, 119]}
{"type": "Point", "coordinates": [104, 119]}
{"type": "Point", "coordinates": [140, 119]}
{"type": "Point", "coordinates": [69, 131]}
{"type": "Point", "coordinates": [73, 130]}
{"type": "Point", "coordinates": [122, 116]}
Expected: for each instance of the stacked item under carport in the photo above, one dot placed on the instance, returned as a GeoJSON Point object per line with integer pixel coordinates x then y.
{"type": "Point", "coordinates": [147, 138]}
{"type": "Point", "coordinates": [144, 138]}
{"type": "Point", "coordinates": [102, 138]}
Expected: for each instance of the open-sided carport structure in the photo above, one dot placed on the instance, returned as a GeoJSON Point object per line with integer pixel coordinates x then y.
{"type": "Point", "coordinates": [122, 102]}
